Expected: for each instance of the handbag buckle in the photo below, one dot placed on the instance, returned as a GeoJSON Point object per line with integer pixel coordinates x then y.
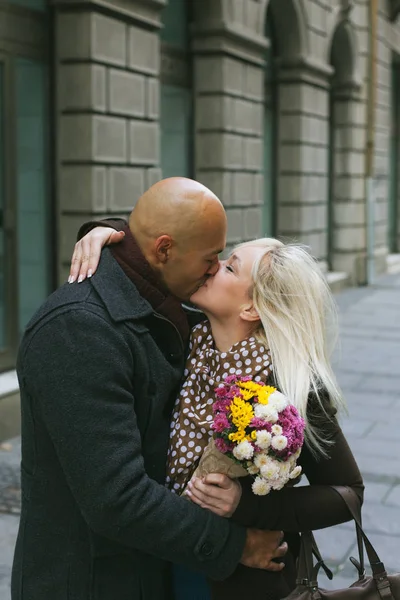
{"type": "Point", "coordinates": [302, 582]}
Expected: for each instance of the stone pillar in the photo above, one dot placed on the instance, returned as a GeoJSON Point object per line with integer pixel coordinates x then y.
{"type": "Point", "coordinates": [303, 104]}
{"type": "Point", "coordinates": [107, 109]}
{"type": "Point", "coordinates": [229, 107]}
{"type": "Point", "coordinates": [348, 245]}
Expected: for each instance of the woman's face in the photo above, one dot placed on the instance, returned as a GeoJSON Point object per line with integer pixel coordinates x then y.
{"type": "Point", "coordinates": [226, 293]}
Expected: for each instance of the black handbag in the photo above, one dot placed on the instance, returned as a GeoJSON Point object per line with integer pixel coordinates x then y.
{"type": "Point", "coordinates": [379, 586]}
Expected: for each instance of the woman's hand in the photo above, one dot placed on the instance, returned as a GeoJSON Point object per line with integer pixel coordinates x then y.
{"type": "Point", "coordinates": [86, 256]}
{"type": "Point", "coordinates": [216, 492]}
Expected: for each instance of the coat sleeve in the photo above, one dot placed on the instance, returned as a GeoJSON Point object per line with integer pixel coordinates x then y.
{"type": "Point", "coordinates": [117, 224]}
{"type": "Point", "coordinates": [316, 505]}
{"type": "Point", "coordinates": [80, 372]}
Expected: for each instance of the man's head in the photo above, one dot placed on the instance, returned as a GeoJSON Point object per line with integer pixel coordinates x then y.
{"type": "Point", "coordinates": [180, 226]}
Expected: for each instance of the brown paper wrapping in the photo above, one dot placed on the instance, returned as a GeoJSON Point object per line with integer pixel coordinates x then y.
{"type": "Point", "coordinates": [213, 461]}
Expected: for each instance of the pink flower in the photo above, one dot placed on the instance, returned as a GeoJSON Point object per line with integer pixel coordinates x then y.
{"type": "Point", "coordinates": [222, 446]}
{"type": "Point", "coordinates": [221, 423]}
{"type": "Point", "coordinates": [220, 392]}
{"type": "Point", "coordinates": [221, 406]}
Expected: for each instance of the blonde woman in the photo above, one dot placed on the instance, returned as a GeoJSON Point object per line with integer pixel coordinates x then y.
{"type": "Point", "coordinates": [269, 315]}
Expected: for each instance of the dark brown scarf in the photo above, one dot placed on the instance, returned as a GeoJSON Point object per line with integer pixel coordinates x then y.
{"type": "Point", "coordinates": [131, 260]}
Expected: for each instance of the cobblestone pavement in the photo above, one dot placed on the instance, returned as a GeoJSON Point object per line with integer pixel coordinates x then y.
{"type": "Point", "coordinates": [368, 371]}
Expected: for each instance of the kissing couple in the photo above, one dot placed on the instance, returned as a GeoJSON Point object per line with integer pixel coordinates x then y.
{"type": "Point", "coordinates": [118, 375]}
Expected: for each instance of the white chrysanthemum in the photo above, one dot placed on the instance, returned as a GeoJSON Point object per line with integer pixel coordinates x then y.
{"type": "Point", "coordinates": [285, 469]}
{"type": "Point", "coordinates": [263, 439]}
{"type": "Point", "coordinates": [253, 470]}
{"type": "Point", "coordinates": [260, 487]}
{"type": "Point", "coordinates": [270, 470]}
{"type": "Point", "coordinates": [266, 412]}
{"type": "Point", "coordinates": [296, 472]}
{"type": "Point", "coordinates": [279, 442]}
{"type": "Point", "coordinates": [278, 484]}
{"type": "Point", "coordinates": [243, 451]}
{"type": "Point", "coordinates": [278, 401]}
{"type": "Point", "coordinates": [276, 430]}
{"type": "Point", "coordinates": [261, 460]}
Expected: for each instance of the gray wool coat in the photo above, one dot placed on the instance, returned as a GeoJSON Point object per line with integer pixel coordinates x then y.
{"type": "Point", "coordinates": [98, 372]}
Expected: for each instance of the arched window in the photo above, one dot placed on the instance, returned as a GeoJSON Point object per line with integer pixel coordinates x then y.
{"type": "Point", "coordinates": [176, 120]}
{"type": "Point", "coordinates": [346, 157]}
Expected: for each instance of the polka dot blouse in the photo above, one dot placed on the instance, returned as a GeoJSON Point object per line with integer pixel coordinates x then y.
{"type": "Point", "coordinates": [192, 416]}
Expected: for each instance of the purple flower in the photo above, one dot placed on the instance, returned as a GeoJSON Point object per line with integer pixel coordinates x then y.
{"type": "Point", "coordinates": [258, 423]}
{"type": "Point", "coordinates": [293, 428]}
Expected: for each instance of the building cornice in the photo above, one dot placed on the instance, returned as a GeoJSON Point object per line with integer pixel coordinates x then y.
{"type": "Point", "coordinates": [146, 13]}
{"type": "Point", "coordinates": [217, 37]}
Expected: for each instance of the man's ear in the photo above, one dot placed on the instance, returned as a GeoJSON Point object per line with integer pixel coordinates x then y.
{"type": "Point", "coordinates": [162, 248]}
{"type": "Point", "coordinates": [249, 313]}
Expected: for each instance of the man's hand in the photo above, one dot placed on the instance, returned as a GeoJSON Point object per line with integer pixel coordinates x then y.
{"type": "Point", "coordinates": [216, 492]}
{"type": "Point", "coordinates": [261, 548]}
{"type": "Point", "coordinates": [86, 256]}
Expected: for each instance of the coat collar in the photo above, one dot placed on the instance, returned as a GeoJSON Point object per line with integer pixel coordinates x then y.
{"type": "Point", "coordinates": [118, 292]}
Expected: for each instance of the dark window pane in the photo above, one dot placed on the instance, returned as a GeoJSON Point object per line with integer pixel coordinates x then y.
{"type": "Point", "coordinates": [2, 205]}
{"type": "Point", "coordinates": [32, 4]}
{"type": "Point", "coordinates": [175, 19]}
{"type": "Point", "coordinates": [33, 235]}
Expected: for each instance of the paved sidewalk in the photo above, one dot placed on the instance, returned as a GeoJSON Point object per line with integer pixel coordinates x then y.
{"type": "Point", "coordinates": [368, 370]}
{"type": "Point", "coordinates": [369, 373]}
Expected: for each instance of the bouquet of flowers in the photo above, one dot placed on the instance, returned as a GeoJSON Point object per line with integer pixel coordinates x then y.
{"type": "Point", "coordinates": [256, 432]}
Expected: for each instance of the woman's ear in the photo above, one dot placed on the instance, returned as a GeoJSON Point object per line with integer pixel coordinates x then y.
{"type": "Point", "coordinates": [249, 313]}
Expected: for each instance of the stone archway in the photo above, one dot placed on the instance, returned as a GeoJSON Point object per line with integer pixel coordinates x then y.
{"type": "Point", "coordinates": [290, 25]}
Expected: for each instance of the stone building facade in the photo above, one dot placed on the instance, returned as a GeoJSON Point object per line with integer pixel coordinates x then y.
{"type": "Point", "coordinates": [271, 103]}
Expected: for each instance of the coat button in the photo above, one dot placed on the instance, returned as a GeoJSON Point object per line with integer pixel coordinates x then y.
{"type": "Point", "coordinates": [207, 549]}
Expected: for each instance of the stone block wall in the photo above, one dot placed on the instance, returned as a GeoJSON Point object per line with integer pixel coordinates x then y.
{"type": "Point", "coordinates": [108, 110]}
{"type": "Point", "coordinates": [107, 113]}
{"type": "Point", "coordinates": [229, 145]}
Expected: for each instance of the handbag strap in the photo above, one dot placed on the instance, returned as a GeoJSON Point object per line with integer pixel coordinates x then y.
{"type": "Point", "coordinates": [353, 504]}
{"type": "Point", "coordinates": [308, 572]}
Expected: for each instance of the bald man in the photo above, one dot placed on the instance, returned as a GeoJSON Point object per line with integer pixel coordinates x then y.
{"type": "Point", "coordinates": [99, 366]}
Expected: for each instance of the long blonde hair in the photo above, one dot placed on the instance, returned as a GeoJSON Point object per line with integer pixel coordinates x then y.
{"type": "Point", "coordinates": [299, 319]}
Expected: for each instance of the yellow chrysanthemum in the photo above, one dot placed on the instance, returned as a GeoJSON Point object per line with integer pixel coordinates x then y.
{"type": "Point", "coordinates": [247, 395]}
{"type": "Point", "coordinates": [265, 393]}
{"type": "Point", "coordinates": [251, 437]}
{"type": "Point", "coordinates": [242, 413]}
{"type": "Point", "coordinates": [238, 436]}
{"type": "Point", "coordinates": [251, 386]}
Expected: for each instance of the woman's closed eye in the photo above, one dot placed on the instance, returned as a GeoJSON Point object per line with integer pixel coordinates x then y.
{"type": "Point", "coordinates": [229, 268]}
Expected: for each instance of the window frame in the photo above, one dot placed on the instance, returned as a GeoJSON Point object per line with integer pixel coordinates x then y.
{"type": "Point", "coordinates": [10, 51]}
{"type": "Point", "coordinates": [8, 352]}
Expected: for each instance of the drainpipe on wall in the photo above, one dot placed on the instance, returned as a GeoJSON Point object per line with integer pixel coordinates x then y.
{"type": "Point", "coordinates": [370, 152]}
